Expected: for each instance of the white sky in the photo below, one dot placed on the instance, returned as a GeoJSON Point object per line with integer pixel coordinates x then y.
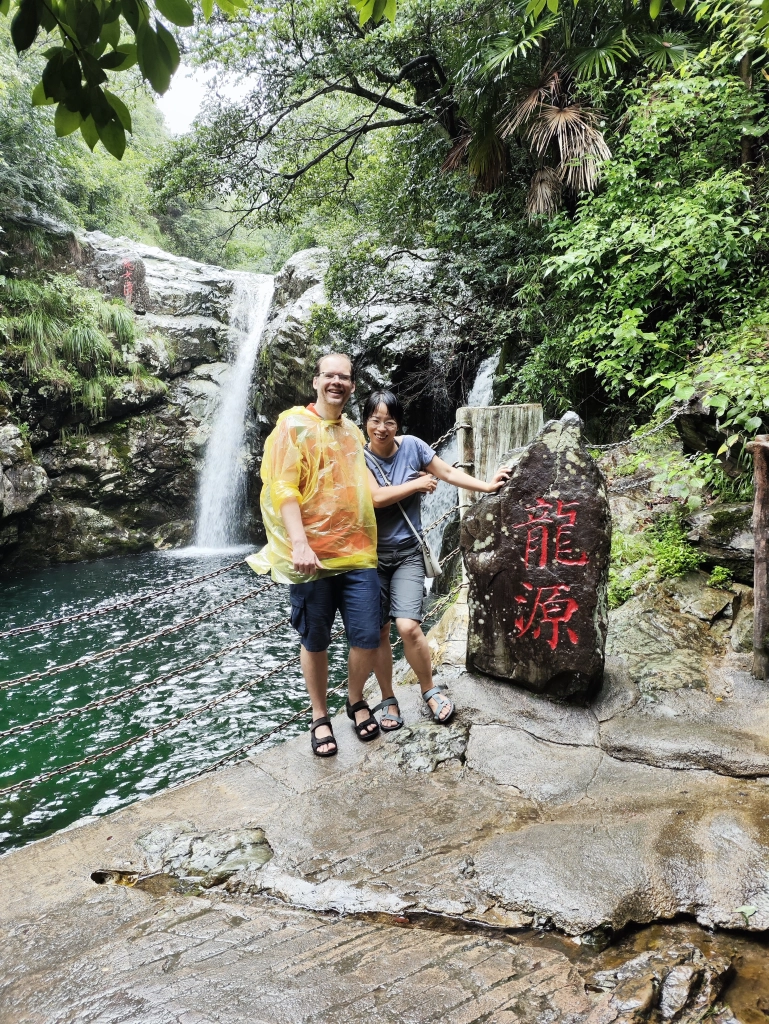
{"type": "Point", "coordinates": [190, 87]}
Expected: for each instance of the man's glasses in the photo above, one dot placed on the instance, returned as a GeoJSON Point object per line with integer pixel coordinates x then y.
{"type": "Point", "coordinates": [345, 378]}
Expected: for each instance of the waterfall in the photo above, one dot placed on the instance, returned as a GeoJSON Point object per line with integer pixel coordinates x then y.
{"type": "Point", "coordinates": [444, 496]}
{"type": "Point", "coordinates": [222, 485]}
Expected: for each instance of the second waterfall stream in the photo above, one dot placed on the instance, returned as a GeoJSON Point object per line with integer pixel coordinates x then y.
{"type": "Point", "coordinates": [223, 481]}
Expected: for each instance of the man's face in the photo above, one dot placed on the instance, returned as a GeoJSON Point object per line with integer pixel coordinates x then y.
{"type": "Point", "coordinates": [334, 382]}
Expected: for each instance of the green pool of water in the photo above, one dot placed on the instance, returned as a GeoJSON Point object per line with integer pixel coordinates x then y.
{"type": "Point", "coordinates": [173, 756]}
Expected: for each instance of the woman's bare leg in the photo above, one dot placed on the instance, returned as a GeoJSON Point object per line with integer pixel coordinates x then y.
{"type": "Point", "coordinates": [417, 653]}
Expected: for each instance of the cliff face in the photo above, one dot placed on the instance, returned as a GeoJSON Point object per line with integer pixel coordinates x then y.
{"type": "Point", "coordinates": [76, 486]}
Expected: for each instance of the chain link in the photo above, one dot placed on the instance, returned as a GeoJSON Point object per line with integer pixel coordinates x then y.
{"type": "Point", "coordinates": [637, 437]}
{"type": "Point", "coordinates": [446, 515]}
{"type": "Point", "coordinates": [125, 694]}
{"type": "Point", "coordinates": [130, 645]}
{"type": "Point", "coordinates": [444, 437]}
{"type": "Point", "coordinates": [116, 606]}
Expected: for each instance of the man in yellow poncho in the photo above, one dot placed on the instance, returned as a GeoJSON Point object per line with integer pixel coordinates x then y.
{"type": "Point", "coordinates": [321, 539]}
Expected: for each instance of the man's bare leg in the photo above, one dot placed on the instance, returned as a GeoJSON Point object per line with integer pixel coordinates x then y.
{"type": "Point", "coordinates": [360, 664]}
{"type": "Point", "coordinates": [315, 671]}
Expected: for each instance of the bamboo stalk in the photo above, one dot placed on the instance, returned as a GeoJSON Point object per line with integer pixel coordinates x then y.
{"type": "Point", "coordinates": [760, 449]}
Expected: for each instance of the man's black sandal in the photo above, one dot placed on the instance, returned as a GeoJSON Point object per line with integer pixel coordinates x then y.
{"type": "Point", "coordinates": [361, 728]}
{"type": "Point", "coordinates": [323, 739]}
{"type": "Point", "coordinates": [383, 705]}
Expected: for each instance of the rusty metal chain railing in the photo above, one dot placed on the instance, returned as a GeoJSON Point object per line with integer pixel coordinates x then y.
{"type": "Point", "coordinates": [34, 627]}
{"type": "Point", "coordinates": [104, 702]}
{"type": "Point", "coordinates": [130, 645]}
{"type": "Point", "coordinates": [151, 733]}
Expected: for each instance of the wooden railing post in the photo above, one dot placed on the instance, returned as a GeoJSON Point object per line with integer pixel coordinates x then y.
{"type": "Point", "coordinates": [759, 446]}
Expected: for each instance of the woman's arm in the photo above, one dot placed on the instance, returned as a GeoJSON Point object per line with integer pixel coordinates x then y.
{"type": "Point", "coordinates": [459, 478]}
{"type": "Point", "coordinates": [384, 496]}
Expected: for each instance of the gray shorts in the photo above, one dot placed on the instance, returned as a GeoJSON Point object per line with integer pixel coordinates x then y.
{"type": "Point", "coordinates": [402, 583]}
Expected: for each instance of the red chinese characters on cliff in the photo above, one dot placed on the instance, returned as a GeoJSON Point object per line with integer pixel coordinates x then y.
{"type": "Point", "coordinates": [544, 610]}
{"type": "Point", "coordinates": [128, 284]}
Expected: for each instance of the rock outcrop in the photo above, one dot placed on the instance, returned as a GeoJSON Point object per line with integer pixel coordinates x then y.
{"type": "Point", "coordinates": [395, 340]}
{"type": "Point", "coordinates": [537, 557]}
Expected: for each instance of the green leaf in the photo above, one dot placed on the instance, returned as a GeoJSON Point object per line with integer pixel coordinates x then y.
{"type": "Point", "coordinates": [112, 60]}
{"type": "Point", "coordinates": [110, 33]}
{"type": "Point", "coordinates": [679, 5]}
{"type": "Point", "coordinates": [683, 392]}
{"type": "Point", "coordinates": [379, 6]}
{"type": "Point", "coordinates": [5, 6]}
{"type": "Point", "coordinates": [130, 56]}
{"type": "Point", "coordinates": [93, 72]}
{"type": "Point", "coordinates": [391, 9]}
{"type": "Point", "coordinates": [24, 25]}
{"type": "Point", "coordinates": [746, 910]}
{"type": "Point", "coordinates": [208, 8]}
{"type": "Point", "coordinates": [654, 8]}
{"type": "Point", "coordinates": [732, 439]}
{"type": "Point", "coordinates": [113, 137]}
{"type": "Point", "coordinates": [167, 48]}
{"type": "Point", "coordinates": [154, 67]}
{"type": "Point", "coordinates": [122, 111]}
{"type": "Point", "coordinates": [552, 6]}
{"type": "Point", "coordinates": [66, 121]}
{"type": "Point", "coordinates": [178, 12]}
{"type": "Point", "coordinates": [753, 423]}
{"type": "Point", "coordinates": [88, 24]}
{"type": "Point", "coordinates": [39, 98]}
{"type": "Point", "coordinates": [89, 132]}
{"type": "Point", "coordinates": [365, 10]}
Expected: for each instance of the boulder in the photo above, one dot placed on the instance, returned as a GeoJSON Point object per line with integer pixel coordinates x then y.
{"type": "Point", "coordinates": [537, 557]}
{"type": "Point", "coordinates": [22, 481]}
{"type": "Point", "coordinates": [723, 533]}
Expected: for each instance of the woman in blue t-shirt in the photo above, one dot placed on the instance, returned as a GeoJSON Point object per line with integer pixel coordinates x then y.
{"type": "Point", "coordinates": [401, 469]}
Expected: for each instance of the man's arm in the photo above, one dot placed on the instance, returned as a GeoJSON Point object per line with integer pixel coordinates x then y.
{"type": "Point", "coordinates": [304, 558]}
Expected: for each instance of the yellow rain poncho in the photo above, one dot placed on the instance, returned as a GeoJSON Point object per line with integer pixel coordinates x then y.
{"type": "Point", "coordinates": [320, 463]}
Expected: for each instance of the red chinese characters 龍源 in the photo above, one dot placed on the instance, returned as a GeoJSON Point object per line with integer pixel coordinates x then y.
{"type": "Point", "coordinates": [548, 540]}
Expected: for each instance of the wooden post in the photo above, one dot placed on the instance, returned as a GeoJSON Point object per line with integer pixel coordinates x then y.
{"type": "Point", "coordinates": [760, 449]}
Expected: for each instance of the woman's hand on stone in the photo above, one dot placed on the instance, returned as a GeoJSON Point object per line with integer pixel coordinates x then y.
{"type": "Point", "coordinates": [426, 483]}
{"type": "Point", "coordinates": [499, 479]}
{"type": "Point", "coordinates": [304, 558]}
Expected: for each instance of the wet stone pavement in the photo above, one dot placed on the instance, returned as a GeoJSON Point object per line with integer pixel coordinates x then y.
{"type": "Point", "coordinates": [531, 862]}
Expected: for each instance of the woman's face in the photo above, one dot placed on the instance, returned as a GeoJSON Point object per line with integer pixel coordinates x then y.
{"type": "Point", "coordinates": [380, 426]}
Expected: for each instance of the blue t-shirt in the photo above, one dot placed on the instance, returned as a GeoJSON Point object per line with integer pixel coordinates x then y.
{"type": "Point", "coordinates": [409, 460]}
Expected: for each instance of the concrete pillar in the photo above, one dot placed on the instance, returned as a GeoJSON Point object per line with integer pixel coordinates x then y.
{"type": "Point", "coordinates": [485, 438]}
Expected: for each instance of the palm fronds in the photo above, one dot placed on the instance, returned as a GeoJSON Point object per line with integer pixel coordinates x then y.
{"type": "Point", "coordinates": [544, 198]}
{"type": "Point", "coordinates": [666, 51]}
{"type": "Point", "coordinates": [517, 43]}
{"type": "Point", "coordinates": [581, 145]}
{"type": "Point", "coordinates": [602, 57]}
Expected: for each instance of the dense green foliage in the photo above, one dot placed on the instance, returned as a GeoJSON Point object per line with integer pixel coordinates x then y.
{"type": "Point", "coordinates": [68, 342]}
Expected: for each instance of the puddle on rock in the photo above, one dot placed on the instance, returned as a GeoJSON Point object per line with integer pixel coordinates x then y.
{"type": "Point", "coordinates": [158, 884]}
{"type": "Point", "coordinates": [747, 994]}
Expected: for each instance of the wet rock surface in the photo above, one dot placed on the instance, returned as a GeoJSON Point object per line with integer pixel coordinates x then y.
{"type": "Point", "coordinates": [537, 556]}
{"type": "Point", "coordinates": [680, 983]}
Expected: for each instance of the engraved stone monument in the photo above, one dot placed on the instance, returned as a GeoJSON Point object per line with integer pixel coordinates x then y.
{"type": "Point", "coordinates": [537, 558]}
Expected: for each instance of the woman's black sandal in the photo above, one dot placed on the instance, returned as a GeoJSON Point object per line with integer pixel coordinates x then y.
{"type": "Point", "coordinates": [323, 740]}
{"type": "Point", "coordinates": [361, 728]}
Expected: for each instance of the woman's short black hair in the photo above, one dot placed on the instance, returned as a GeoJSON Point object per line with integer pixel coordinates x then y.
{"type": "Point", "coordinates": [389, 401]}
